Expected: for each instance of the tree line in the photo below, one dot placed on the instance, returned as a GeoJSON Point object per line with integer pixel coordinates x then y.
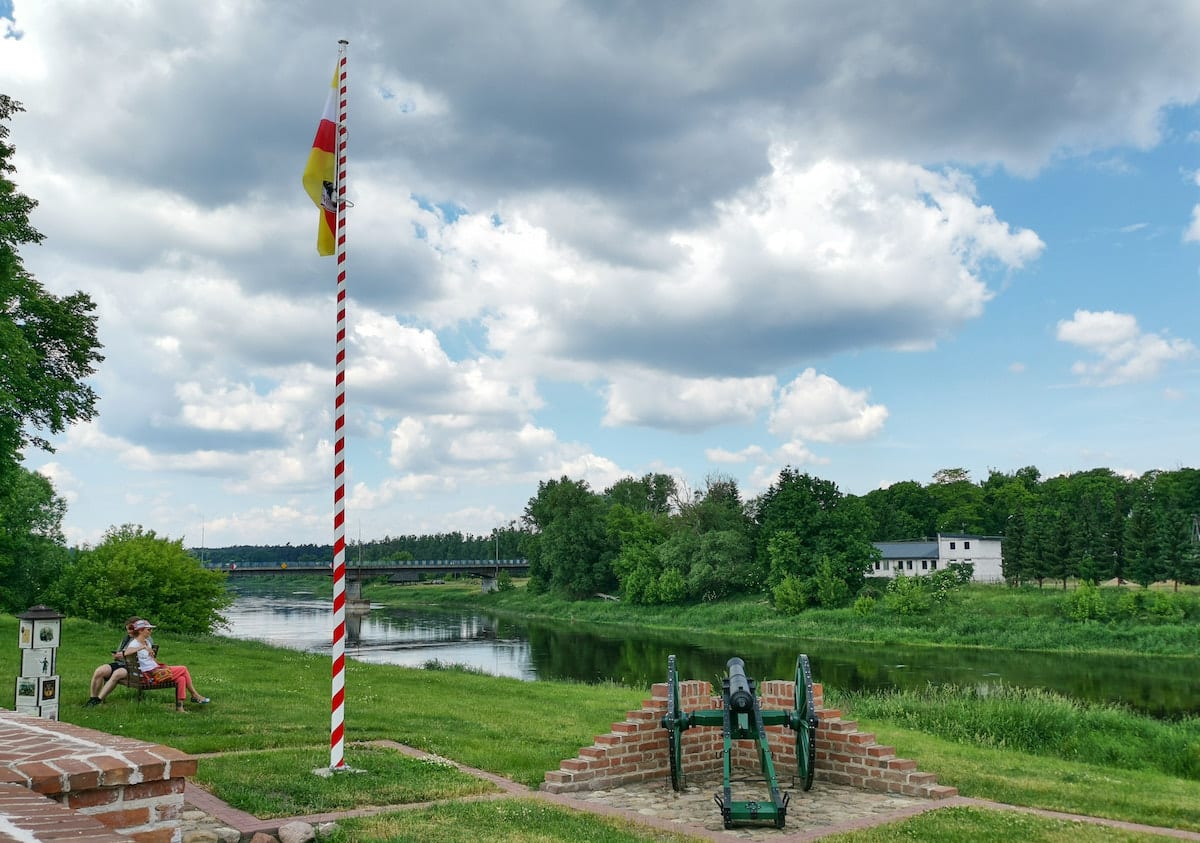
{"type": "Point", "coordinates": [804, 543]}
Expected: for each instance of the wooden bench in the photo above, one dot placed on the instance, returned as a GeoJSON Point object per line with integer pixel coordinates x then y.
{"type": "Point", "coordinates": [139, 683]}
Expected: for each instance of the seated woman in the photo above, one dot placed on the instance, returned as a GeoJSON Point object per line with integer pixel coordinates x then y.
{"type": "Point", "coordinates": [148, 665]}
{"type": "Point", "coordinates": [106, 676]}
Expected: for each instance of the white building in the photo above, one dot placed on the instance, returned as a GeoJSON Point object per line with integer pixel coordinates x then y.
{"type": "Point", "coordinates": [917, 558]}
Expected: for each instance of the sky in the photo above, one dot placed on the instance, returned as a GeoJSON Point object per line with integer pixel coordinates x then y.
{"type": "Point", "coordinates": [595, 240]}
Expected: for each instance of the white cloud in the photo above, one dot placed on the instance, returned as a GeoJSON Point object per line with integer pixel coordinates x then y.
{"type": "Point", "coordinates": [1122, 352]}
{"type": "Point", "coordinates": [677, 403]}
{"type": "Point", "coordinates": [818, 408]}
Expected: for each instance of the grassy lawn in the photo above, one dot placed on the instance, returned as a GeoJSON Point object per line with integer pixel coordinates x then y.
{"type": "Point", "coordinates": [505, 821]}
{"type": "Point", "coordinates": [987, 616]}
{"type": "Point", "coordinates": [952, 825]}
{"type": "Point", "coordinates": [277, 702]}
{"type": "Point", "coordinates": [285, 784]}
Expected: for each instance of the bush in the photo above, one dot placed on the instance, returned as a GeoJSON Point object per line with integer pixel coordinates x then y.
{"type": "Point", "coordinates": [830, 589]}
{"type": "Point", "coordinates": [134, 572]}
{"type": "Point", "coordinates": [791, 597]}
{"type": "Point", "coordinates": [906, 596]}
{"type": "Point", "coordinates": [504, 581]}
{"type": "Point", "coordinates": [1085, 603]}
{"type": "Point", "coordinates": [864, 606]}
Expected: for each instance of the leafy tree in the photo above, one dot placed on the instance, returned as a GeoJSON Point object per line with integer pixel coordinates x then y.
{"type": "Point", "coordinates": [569, 548]}
{"type": "Point", "coordinates": [134, 572]}
{"type": "Point", "coordinates": [804, 520]}
{"type": "Point", "coordinates": [32, 552]}
{"type": "Point", "coordinates": [959, 501]}
{"type": "Point", "coordinates": [718, 507]}
{"type": "Point", "coordinates": [48, 345]}
{"type": "Point", "coordinates": [903, 511]}
{"type": "Point", "coordinates": [649, 493]}
{"type": "Point", "coordinates": [638, 533]}
{"type": "Point", "coordinates": [1005, 494]}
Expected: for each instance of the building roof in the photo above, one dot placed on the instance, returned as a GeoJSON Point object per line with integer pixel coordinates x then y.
{"type": "Point", "coordinates": [908, 550]}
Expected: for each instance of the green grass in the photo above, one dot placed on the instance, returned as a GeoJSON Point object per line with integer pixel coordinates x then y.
{"type": "Point", "coordinates": [269, 698]}
{"type": "Point", "coordinates": [286, 786]}
{"type": "Point", "coordinates": [953, 825]}
{"type": "Point", "coordinates": [278, 700]}
{"type": "Point", "coordinates": [1017, 778]}
{"type": "Point", "coordinates": [505, 821]}
{"type": "Point", "coordinates": [1037, 722]}
{"type": "Point", "coordinates": [989, 616]}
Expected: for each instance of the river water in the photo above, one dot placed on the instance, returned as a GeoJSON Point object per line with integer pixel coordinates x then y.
{"type": "Point", "coordinates": [534, 650]}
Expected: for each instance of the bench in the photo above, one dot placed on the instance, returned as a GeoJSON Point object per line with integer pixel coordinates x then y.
{"type": "Point", "coordinates": [139, 683]}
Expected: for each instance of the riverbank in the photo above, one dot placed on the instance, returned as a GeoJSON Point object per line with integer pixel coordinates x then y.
{"type": "Point", "coordinates": [980, 616]}
{"type": "Point", "coordinates": [276, 702]}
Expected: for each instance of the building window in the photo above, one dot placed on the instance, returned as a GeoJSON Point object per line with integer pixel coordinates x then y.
{"type": "Point", "coordinates": [886, 565]}
{"type": "Point", "coordinates": [910, 564]}
{"type": "Point", "coordinates": [876, 566]}
{"type": "Point", "coordinates": [952, 545]}
{"type": "Point", "coordinates": [933, 564]}
{"type": "Point", "coordinates": [924, 565]}
{"type": "Point", "coordinates": [966, 545]}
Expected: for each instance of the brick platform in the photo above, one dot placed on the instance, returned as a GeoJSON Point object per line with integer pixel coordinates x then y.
{"type": "Point", "coordinates": [113, 788]}
{"type": "Point", "coordinates": [636, 749]}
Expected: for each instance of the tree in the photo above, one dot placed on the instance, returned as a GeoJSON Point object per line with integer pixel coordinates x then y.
{"type": "Point", "coordinates": [1142, 553]}
{"type": "Point", "coordinates": [650, 493]}
{"type": "Point", "coordinates": [959, 502]}
{"type": "Point", "coordinates": [569, 548]}
{"type": "Point", "coordinates": [134, 572]}
{"type": "Point", "coordinates": [32, 552]}
{"type": "Point", "coordinates": [805, 523]}
{"type": "Point", "coordinates": [48, 345]}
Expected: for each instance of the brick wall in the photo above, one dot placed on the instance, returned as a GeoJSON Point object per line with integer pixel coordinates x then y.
{"type": "Point", "coordinates": [129, 786]}
{"type": "Point", "coordinates": [636, 748]}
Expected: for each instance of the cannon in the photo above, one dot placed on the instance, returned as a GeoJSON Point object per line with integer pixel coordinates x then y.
{"type": "Point", "coordinates": [740, 718]}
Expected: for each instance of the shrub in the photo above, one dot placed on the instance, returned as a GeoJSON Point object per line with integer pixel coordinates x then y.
{"type": "Point", "coordinates": [864, 605]}
{"type": "Point", "coordinates": [906, 596]}
{"type": "Point", "coordinates": [830, 589]}
{"type": "Point", "coordinates": [1085, 603]}
{"type": "Point", "coordinates": [134, 572]}
{"type": "Point", "coordinates": [790, 595]}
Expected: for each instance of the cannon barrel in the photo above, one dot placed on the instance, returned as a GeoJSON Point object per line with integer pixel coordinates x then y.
{"type": "Point", "coordinates": [741, 698]}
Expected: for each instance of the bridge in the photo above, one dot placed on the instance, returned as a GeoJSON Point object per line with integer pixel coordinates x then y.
{"type": "Point", "coordinates": [399, 571]}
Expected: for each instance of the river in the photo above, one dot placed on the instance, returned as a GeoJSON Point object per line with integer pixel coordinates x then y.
{"type": "Point", "coordinates": [534, 650]}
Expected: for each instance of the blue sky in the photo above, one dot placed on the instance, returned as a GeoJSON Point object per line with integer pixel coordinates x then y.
{"type": "Point", "coordinates": [868, 242]}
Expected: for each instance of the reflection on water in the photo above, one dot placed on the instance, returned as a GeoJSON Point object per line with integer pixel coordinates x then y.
{"type": "Point", "coordinates": [539, 650]}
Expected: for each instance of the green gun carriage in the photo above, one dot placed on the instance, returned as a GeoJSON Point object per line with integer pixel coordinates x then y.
{"type": "Point", "coordinates": [741, 718]}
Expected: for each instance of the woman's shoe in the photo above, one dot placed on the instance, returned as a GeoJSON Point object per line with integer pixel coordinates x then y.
{"type": "Point", "coordinates": [201, 700]}
{"type": "Point", "coordinates": [179, 709]}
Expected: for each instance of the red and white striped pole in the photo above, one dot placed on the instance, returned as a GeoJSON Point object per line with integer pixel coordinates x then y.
{"type": "Point", "coordinates": [337, 760]}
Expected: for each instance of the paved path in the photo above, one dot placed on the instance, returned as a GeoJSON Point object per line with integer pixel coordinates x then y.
{"type": "Point", "coordinates": [826, 809]}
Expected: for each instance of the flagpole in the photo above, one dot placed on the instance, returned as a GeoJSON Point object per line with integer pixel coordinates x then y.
{"type": "Point", "coordinates": [337, 759]}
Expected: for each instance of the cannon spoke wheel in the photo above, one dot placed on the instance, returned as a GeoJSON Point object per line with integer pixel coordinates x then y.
{"type": "Point", "coordinates": [804, 719]}
{"type": "Point", "coordinates": [673, 722]}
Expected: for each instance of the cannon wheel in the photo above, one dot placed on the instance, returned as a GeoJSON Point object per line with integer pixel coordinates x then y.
{"type": "Point", "coordinates": [805, 719]}
{"type": "Point", "coordinates": [673, 722]}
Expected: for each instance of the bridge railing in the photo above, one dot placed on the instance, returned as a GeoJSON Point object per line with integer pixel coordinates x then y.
{"type": "Point", "coordinates": [382, 566]}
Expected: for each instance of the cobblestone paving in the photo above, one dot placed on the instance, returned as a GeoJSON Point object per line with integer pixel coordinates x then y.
{"type": "Point", "coordinates": [823, 806]}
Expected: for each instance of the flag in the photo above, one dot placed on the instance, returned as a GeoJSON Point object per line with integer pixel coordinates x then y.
{"type": "Point", "coordinates": [319, 173]}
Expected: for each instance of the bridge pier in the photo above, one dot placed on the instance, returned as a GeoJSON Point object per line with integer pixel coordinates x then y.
{"type": "Point", "coordinates": [354, 598]}
{"type": "Point", "coordinates": [488, 583]}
